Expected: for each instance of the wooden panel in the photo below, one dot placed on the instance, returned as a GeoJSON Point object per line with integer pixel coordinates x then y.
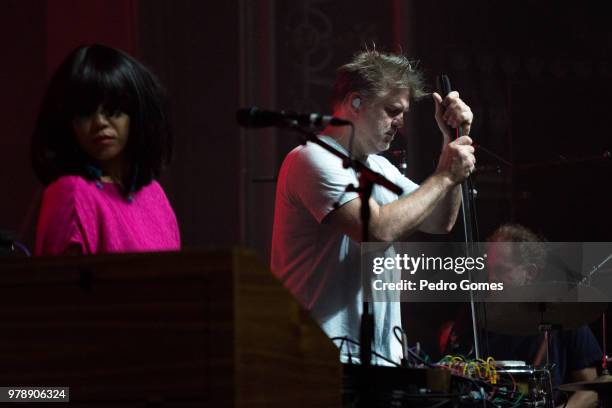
{"type": "Point", "coordinates": [285, 359]}
{"type": "Point", "coordinates": [167, 328]}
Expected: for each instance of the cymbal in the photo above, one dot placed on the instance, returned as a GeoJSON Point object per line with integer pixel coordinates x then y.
{"type": "Point", "coordinates": [602, 384]}
{"type": "Point", "coordinates": [553, 303]}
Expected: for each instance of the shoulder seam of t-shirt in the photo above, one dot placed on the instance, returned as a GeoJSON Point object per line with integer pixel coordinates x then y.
{"type": "Point", "coordinates": [305, 153]}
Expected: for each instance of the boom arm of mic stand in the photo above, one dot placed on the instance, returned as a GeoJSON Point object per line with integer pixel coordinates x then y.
{"type": "Point", "coordinates": [365, 172]}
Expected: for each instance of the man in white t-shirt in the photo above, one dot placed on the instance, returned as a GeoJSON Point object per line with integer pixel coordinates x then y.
{"type": "Point", "coordinates": [317, 227]}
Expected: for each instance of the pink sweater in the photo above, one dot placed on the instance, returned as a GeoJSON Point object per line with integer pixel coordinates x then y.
{"type": "Point", "coordinates": [76, 211]}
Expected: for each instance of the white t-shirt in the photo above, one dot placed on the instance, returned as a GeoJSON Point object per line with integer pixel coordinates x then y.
{"type": "Point", "coordinates": [320, 265]}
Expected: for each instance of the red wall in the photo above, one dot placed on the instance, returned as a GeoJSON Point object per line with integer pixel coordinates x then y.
{"type": "Point", "coordinates": [34, 38]}
{"type": "Point", "coordinates": [71, 23]}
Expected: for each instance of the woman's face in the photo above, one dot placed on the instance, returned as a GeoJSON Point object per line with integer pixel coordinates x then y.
{"type": "Point", "coordinates": [102, 135]}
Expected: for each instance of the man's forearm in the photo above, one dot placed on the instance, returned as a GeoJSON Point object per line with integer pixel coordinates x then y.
{"type": "Point", "coordinates": [443, 217]}
{"type": "Point", "coordinates": [401, 218]}
{"type": "Point", "coordinates": [582, 399]}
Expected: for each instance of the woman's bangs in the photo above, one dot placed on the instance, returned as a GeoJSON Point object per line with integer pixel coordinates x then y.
{"type": "Point", "coordinates": [93, 87]}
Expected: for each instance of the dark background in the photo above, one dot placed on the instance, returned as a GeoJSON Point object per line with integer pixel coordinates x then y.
{"type": "Point", "coordinates": [536, 74]}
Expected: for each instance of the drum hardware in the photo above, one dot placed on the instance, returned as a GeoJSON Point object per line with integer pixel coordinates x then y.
{"type": "Point", "coordinates": [602, 385]}
{"type": "Point", "coordinates": [535, 384]}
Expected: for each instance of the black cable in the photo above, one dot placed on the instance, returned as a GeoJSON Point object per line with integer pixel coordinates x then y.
{"type": "Point", "coordinates": [441, 404]}
{"type": "Point", "coordinates": [349, 340]}
{"type": "Point", "coordinates": [22, 247]}
{"type": "Point", "coordinates": [351, 140]}
{"type": "Point", "coordinates": [412, 353]}
{"type": "Point", "coordinates": [398, 338]}
{"type": "Point", "coordinates": [486, 332]}
{"type": "Point", "coordinates": [347, 164]}
{"type": "Point", "coordinates": [474, 212]}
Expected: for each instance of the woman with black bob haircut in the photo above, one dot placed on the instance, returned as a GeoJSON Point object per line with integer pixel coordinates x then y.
{"type": "Point", "coordinates": [101, 140]}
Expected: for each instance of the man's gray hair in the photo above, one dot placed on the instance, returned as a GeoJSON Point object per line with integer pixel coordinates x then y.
{"type": "Point", "coordinates": [531, 246]}
{"type": "Point", "coordinates": [373, 73]}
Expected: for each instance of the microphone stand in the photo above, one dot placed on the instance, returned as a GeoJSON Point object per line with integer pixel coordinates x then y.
{"type": "Point", "coordinates": [367, 179]}
{"type": "Point", "coordinates": [366, 329]}
{"type": "Point", "coordinates": [467, 208]}
{"type": "Point", "coordinates": [604, 361]}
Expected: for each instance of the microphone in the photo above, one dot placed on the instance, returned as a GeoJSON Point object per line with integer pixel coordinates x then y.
{"type": "Point", "coordinates": [254, 117]}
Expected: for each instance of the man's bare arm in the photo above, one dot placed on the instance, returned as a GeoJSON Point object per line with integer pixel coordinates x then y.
{"type": "Point", "coordinates": [393, 221]}
{"type": "Point", "coordinates": [583, 399]}
{"type": "Point", "coordinates": [443, 217]}
{"type": "Point", "coordinates": [397, 220]}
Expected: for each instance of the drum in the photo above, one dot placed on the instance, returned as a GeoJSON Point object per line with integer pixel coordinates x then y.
{"type": "Point", "coordinates": [523, 383]}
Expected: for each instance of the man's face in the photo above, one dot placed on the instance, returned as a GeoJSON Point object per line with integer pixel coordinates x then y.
{"type": "Point", "coordinates": [504, 266]}
{"type": "Point", "coordinates": [380, 119]}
